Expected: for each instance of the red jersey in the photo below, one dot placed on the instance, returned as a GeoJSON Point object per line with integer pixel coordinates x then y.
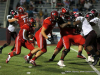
{"type": "Point", "coordinates": [48, 24]}
{"type": "Point", "coordinates": [22, 19]}
{"type": "Point", "coordinates": [25, 27]}
{"type": "Point", "coordinates": [67, 31]}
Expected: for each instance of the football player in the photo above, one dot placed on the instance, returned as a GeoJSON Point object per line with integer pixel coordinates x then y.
{"type": "Point", "coordinates": [65, 14]}
{"type": "Point", "coordinates": [23, 40]}
{"type": "Point", "coordinates": [68, 35]}
{"type": "Point", "coordinates": [41, 36]}
{"type": "Point", "coordinates": [94, 21]}
{"type": "Point", "coordinates": [22, 16]}
{"type": "Point", "coordinates": [89, 34]}
{"type": "Point", "coordinates": [10, 32]}
{"type": "Point", "coordinates": [96, 26]}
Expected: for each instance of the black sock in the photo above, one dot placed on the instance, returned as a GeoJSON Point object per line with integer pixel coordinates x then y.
{"type": "Point", "coordinates": [13, 47]}
{"type": "Point", "coordinates": [92, 52]}
{"type": "Point", "coordinates": [53, 56]}
{"type": "Point", "coordinates": [3, 46]}
{"type": "Point", "coordinates": [79, 52]}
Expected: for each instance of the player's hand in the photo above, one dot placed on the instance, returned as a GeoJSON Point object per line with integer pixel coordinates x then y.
{"type": "Point", "coordinates": [69, 23]}
{"type": "Point", "coordinates": [30, 39]}
{"type": "Point", "coordinates": [49, 39]}
{"type": "Point", "coordinates": [16, 19]}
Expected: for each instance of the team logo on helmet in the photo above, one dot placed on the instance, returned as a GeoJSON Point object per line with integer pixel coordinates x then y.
{"type": "Point", "coordinates": [54, 15]}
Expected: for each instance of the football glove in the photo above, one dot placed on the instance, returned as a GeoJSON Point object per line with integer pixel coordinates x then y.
{"type": "Point", "coordinates": [50, 39]}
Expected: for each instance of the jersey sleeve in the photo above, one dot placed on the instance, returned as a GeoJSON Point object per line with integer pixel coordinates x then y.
{"type": "Point", "coordinates": [46, 23]}
{"type": "Point", "coordinates": [9, 17]}
{"type": "Point", "coordinates": [25, 26]}
{"type": "Point", "coordinates": [95, 20]}
{"type": "Point", "coordinates": [80, 19]}
{"type": "Point", "coordinates": [16, 16]}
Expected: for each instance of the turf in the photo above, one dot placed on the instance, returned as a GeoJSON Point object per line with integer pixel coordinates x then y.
{"type": "Point", "coordinates": [17, 65]}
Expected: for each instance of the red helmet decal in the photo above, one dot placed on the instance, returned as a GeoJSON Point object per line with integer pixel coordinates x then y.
{"type": "Point", "coordinates": [92, 12]}
{"type": "Point", "coordinates": [76, 15]}
{"type": "Point", "coordinates": [12, 12]}
{"type": "Point", "coordinates": [87, 15]}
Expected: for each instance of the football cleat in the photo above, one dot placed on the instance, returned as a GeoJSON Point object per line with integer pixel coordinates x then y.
{"type": "Point", "coordinates": [80, 56]}
{"type": "Point", "coordinates": [61, 63]}
{"type": "Point", "coordinates": [8, 58]}
{"type": "Point", "coordinates": [50, 59]}
{"type": "Point", "coordinates": [99, 63]}
{"type": "Point", "coordinates": [32, 62]}
{"type": "Point", "coordinates": [0, 51]}
{"type": "Point", "coordinates": [26, 58]}
{"type": "Point", "coordinates": [90, 59]}
{"type": "Point", "coordinates": [96, 59]}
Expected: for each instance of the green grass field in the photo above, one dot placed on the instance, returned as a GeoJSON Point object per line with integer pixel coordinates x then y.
{"type": "Point", "coordinates": [17, 65]}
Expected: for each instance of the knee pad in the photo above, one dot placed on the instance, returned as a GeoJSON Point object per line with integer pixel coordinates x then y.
{"type": "Point", "coordinates": [65, 51]}
{"type": "Point", "coordinates": [89, 48]}
{"type": "Point", "coordinates": [58, 49]}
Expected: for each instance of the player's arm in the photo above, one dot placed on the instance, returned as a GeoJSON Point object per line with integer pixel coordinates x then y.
{"type": "Point", "coordinates": [43, 33]}
{"type": "Point", "coordinates": [51, 34]}
{"type": "Point", "coordinates": [78, 22]}
{"type": "Point", "coordinates": [12, 20]}
{"type": "Point", "coordinates": [92, 23]}
{"type": "Point", "coordinates": [26, 14]}
{"type": "Point", "coordinates": [65, 24]}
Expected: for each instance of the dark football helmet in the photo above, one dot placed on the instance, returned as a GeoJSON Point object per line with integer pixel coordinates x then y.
{"type": "Point", "coordinates": [54, 16]}
{"type": "Point", "coordinates": [89, 15]}
{"type": "Point", "coordinates": [12, 12]}
{"type": "Point", "coordinates": [32, 21]}
{"type": "Point", "coordinates": [95, 12]}
{"type": "Point", "coordinates": [77, 14]}
{"type": "Point", "coordinates": [21, 10]}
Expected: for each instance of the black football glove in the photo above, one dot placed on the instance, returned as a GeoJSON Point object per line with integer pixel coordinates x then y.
{"type": "Point", "coordinates": [50, 39]}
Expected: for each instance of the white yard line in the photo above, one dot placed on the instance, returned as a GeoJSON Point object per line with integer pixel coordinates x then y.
{"type": "Point", "coordinates": [89, 64]}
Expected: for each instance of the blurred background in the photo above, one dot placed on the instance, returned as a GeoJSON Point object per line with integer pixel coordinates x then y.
{"type": "Point", "coordinates": [40, 9]}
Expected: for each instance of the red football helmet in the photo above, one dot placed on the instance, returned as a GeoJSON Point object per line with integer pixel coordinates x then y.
{"type": "Point", "coordinates": [89, 15]}
{"type": "Point", "coordinates": [64, 13]}
{"type": "Point", "coordinates": [64, 10]}
{"type": "Point", "coordinates": [32, 21]}
{"type": "Point", "coordinates": [54, 15]}
{"type": "Point", "coordinates": [95, 12]}
{"type": "Point", "coordinates": [21, 10]}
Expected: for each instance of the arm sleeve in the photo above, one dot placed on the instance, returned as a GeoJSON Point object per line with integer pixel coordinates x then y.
{"type": "Point", "coordinates": [16, 16]}
{"type": "Point", "coordinates": [46, 24]}
{"type": "Point", "coordinates": [94, 21]}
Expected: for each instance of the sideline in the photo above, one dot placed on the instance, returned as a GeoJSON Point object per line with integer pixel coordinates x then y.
{"type": "Point", "coordinates": [88, 63]}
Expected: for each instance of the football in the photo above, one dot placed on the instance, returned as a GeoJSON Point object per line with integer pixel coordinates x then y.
{"type": "Point", "coordinates": [30, 36]}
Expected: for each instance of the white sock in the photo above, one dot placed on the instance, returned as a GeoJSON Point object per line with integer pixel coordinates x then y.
{"type": "Point", "coordinates": [27, 57]}
{"type": "Point", "coordinates": [9, 57]}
